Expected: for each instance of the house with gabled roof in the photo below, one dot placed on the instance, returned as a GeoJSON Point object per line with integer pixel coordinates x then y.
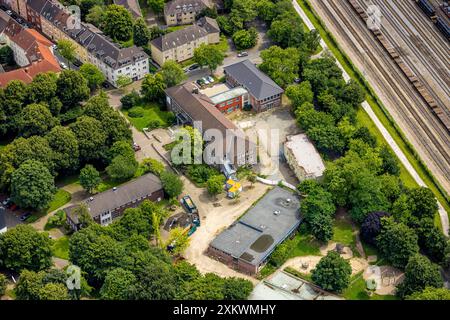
{"type": "Point", "coordinates": [181, 44]}
{"type": "Point", "coordinates": [264, 93]}
{"type": "Point", "coordinates": [106, 206]}
{"type": "Point", "coordinates": [179, 12]}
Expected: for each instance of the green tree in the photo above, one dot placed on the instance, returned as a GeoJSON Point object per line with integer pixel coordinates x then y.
{"type": "Point", "coordinates": [117, 285]}
{"type": "Point", "coordinates": [72, 88]}
{"type": "Point", "coordinates": [65, 148]}
{"type": "Point", "coordinates": [430, 293]}
{"type": "Point", "coordinates": [236, 288]}
{"type": "Point", "coordinates": [287, 31]}
{"type": "Point", "coordinates": [172, 73]}
{"type": "Point", "coordinates": [280, 64]}
{"type": "Point", "coordinates": [419, 274]}
{"type": "Point", "coordinates": [93, 75]}
{"type": "Point", "coordinates": [300, 94]}
{"type": "Point", "coordinates": [3, 283]}
{"type": "Point", "coordinates": [118, 22]}
{"type": "Point", "coordinates": [36, 119]}
{"type": "Point", "coordinates": [122, 168]}
{"type": "Point", "coordinates": [156, 5]}
{"type": "Point", "coordinates": [208, 55]}
{"type": "Point", "coordinates": [22, 247]}
{"type": "Point", "coordinates": [32, 185]}
{"type": "Point", "coordinates": [154, 282]}
{"type": "Point", "coordinates": [43, 87]}
{"type": "Point", "coordinates": [332, 272]}
{"type": "Point", "coordinates": [29, 285]}
{"type": "Point", "coordinates": [396, 242]}
{"type": "Point", "coordinates": [172, 184]}
{"type": "Point", "coordinates": [141, 34]}
{"type": "Point", "coordinates": [179, 239]}
{"type": "Point", "coordinates": [153, 166]}
{"type": "Point", "coordinates": [123, 81]}
{"type": "Point", "coordinates": [245, 39]}
{"type": "Point", "coordinates": [67, 50]}
{"type": "Point", "coordinates": [6, 56]}
{"type": "Point", "coordinates": [153, 87]}
{"type": "Point", "coordinates": [96, 15]}
{"type": "Point", "coordinates": [54, 291]}
{"type": "Point", "coordinates": [215, 184]}
{"type": "Point", "coordinates": [89, 178]}
{"type": "Point", "coordinates": [91, 138]}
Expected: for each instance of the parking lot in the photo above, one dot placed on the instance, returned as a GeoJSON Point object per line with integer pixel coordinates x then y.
{"type": "Point", "coordinates": [12, 217]}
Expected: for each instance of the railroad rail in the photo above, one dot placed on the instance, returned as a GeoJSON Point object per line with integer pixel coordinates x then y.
{"type": "Point", "coordinates": [413, 79]}
{"type": "Point", "coordinates": [365, 43]}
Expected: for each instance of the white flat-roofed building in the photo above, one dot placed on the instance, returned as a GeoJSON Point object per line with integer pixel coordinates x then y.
{"type": "Point", "coordinates": [303, 157]}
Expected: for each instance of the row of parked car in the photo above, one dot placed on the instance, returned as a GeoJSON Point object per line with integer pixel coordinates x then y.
{"type": "Point", "coordinates": [7, 203]}
{"type": "Point", "coordinates": [205, 81]}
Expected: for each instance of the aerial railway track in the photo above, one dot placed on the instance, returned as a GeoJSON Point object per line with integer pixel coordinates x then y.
{"type": "Point", "coordinates": [406, 96]}
{"type": "Point", "coordinates": [420, 31]}
{"type": "Point", "coordinates": [440, 108]}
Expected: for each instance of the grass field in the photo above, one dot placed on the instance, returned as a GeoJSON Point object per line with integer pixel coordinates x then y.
{"type": "Point", "coordinates": [357, 290]}
{"type": "Point", "coordinates": [381, 113]}
{"type": "Point", "coordinates": [152, 112]}
{"type": "Point", "coordinates": [343, 232]}
{"type": "Point", "coordinates": [60, 248]}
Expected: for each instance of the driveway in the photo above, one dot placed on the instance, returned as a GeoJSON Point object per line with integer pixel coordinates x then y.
{"type": "Point", "coordinates": [216, 215]}
{"type": "Point", "coordinates": [272, 128]}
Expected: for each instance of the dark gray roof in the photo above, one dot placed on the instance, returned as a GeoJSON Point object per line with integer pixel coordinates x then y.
{"type": "Point", "coordinates": [123, 194]}
{"type": "Point", "coordinates": [89, 37]}
{"type": "Point", "coordinates": [132, 6]}
{"type": "Point", "coordinates": [262, 228]}
{"type": "Point", "coordinates": [179, 6]}
{"type": "Point", "coordinates": [251, 78]}
{"type": "Point", "coordinates": [209, 24]}
{"type": "Point", "coordinates": [179, 37]}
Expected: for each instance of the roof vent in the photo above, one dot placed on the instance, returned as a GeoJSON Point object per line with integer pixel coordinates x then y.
{"type": "Point", "coordinates": [91, 199]}
{"type": "Point", "coordinates": [115, 189]}
{"type": "Point", "coordinates": [277, 212]}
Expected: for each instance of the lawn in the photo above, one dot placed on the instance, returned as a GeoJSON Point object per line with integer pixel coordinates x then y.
{"type": "Point", "coordinates": [151, 113]}
{"type": "Point", "coordinates": [343, 232]}
{"type": "Point", "coordinates": [60, 248]}
{"type": "Point", "coordinates": [381, 112]}
{"type": "Point", "coordinates": [357, 290]}
{"type": "Point", "coordinates": [61, 198]}
{"type": "Point", "coordinates": [304, 245]}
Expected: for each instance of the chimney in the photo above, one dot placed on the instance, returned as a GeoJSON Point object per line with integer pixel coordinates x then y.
{"type": "Point", "coordinates": [195, 90]}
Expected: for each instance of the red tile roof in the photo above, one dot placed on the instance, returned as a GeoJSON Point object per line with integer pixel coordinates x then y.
{"type": "Point", "coordinates": [38, 52]}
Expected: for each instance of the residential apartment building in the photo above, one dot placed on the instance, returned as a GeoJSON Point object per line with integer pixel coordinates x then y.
{"type": "Point", "coordinates": [107, 206]}
{"type": "Point", "coordinates": [179, 12]}
{"type": "Point", "coordinates": [191, 106]}
{"type": "Point", "coordinates": [181, 44]}
{"type": "Point", "coordinates": [54, 21]}
{"type": "Point", "coordinates": [32, 51]}
{"type": "Point", "coordinates": [264, 93]}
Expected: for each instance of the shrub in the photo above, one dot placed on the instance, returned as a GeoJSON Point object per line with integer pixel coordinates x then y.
{"type": "Point", "coordinates": [56, 221]}
{"type": "Point", "coordinates": [153, 166]}
{"type": "Point", "coordinates": [130, 100]}
{"type": "Point", "coordinates": [154, 124]}
{"type": "Point", "coordinates": [332, 272]}
{"type": "Point", "coordinates": [136, 112]}
{"type": "Point", "coordinates": [2, 284]}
